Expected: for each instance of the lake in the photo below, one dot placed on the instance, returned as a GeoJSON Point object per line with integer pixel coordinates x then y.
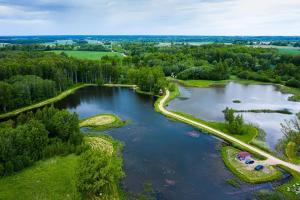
{"type": "Point", "coordinates": [178, 160]}
{"type": "Point", "coordinates": [208, 104]}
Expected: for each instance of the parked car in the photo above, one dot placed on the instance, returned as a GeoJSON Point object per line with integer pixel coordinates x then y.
{"type": "Point", "coordinates": [259, 167]}
{"type": "Point", "coordinates": [249, 162]}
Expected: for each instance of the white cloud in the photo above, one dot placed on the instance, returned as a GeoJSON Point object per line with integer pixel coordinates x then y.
{"type": "Point", "coordinates": [191, 17]}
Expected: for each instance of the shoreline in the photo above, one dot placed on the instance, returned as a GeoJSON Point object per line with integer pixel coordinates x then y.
{"type": "Point", "coordinates": [59, 97]}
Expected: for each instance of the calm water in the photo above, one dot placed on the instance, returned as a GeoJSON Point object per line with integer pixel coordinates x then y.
{"type": "Point", "coordinates": [208, 104]}
{"type": "Point", "coordinates": [180, 162]}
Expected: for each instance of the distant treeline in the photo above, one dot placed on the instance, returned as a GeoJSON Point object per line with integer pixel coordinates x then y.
{"type": "Point", "coordinates": [79, 46]}
{"type": "Point", "coordinates": [217, 61]}
{"type": "Point", "coordinates": [145, 65]}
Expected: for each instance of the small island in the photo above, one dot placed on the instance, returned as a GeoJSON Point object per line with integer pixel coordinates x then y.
{"type": "Point", "coordinates": [102, 122]}
{"type": "Point", "coordinates": [237, 101]}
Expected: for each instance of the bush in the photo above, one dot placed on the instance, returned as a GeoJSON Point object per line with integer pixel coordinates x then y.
{"type": "Point", "coordinates": [98, 173]}
{"type": "Point", "coordinates": [293, 83]}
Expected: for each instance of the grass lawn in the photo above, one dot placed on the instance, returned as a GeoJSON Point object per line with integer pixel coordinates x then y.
{"type": "Point", "coordinates": [50, 179]}
{"type": "Point", "coordinates": [247, 172]}
{"type": "Point", "coordinates": [91, 55]}
{"type": "Point", "coordinates": [290, 51]}
{"type": "Point", "coordinates": [102, 122]}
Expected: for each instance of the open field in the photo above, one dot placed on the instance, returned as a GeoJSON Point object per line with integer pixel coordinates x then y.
{"type": "Point", "coordinates": [247, 172]}
{"type": "Point", "coordinates": [289, 51]}
{"type": "Point", "coordinates": [91, 55]}
{"type": "Point", "coordinates": [283, 49]}
{"type": "Point", "coordinates": [102, 122]}
{"type": "Point", "coordinates": [49, 179]}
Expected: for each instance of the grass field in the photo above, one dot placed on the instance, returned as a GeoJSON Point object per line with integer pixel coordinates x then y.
{"type": "Point", "coordinates": [247, 172]}
{"type": "Point", "coordinates": [91, 55]}
{"type": "Point", "coordinates": [289, 51]}
{"type": "Point", "coordinates": [50, 179]}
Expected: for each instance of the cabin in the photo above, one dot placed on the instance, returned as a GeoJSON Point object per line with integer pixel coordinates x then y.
{"type": "Point", "coordinates": [243, 155]}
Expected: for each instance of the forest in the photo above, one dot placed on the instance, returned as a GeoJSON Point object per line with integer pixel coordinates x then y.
{"type": "Point", "coordinates": [27, 77]}
{"type": "Point", "coordinates": [33, 75]}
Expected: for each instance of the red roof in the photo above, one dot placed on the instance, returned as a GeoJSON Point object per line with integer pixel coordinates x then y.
{"type": "Point", "coordinates": [243, 154]}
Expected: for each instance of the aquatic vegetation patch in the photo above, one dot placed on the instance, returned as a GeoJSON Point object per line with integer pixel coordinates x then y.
{"type": "Point", "coordinates": [102, 122]}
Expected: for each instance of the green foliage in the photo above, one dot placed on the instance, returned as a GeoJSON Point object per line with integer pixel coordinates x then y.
{"type": "Point", "coordinates": [293, 83]}
{"type": "Point", "coordinates": [99, 173]}
{"type": "Point", "coordinates": [289, 144]}
{"type": "Point", "coordinates": [21, 146]}
{"type": "Point", "coordinates": [204, 72]}
{"type": "Point", "coordinates": [38, 135]}
{"type": "Point", "coordinates": [148, 79]}
{"type": "Point", "coordinates": [19, 91]}
{"type": "Point", "coordinates": [235, 123]}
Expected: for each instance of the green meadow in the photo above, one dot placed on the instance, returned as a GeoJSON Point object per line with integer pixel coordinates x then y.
{"type": "Point", "coordinates": [91, 55]}
{"type": "Point", "coordinates": [53, 178]}
{"type": "Point", "coordinates": [290, 51]}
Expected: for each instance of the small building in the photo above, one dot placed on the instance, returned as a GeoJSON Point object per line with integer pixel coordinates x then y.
{"type": "Point", "coordinates": [243, 155]}
{"type": "Point", "coordinates": [161, 92]}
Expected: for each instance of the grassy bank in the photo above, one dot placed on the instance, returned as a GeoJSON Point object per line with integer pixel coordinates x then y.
{"type": "Point", "coordinates": [102, 122]}
{"type": "Point", "coordinates": [246, 172]}
{"type": "Point", "coordinates": [90, 55]}
{"type": "Point", "coordinates": [291, 153]}
{"type": "Point", "coordinates": [50, 179]}
{"type": "Point", "coordinates": [290, 189]}
{"type": "Point", "coordinates": [46, 102]}
{"type": "Point", "coordinates": [211, 83]}
{"type": "Point", "coordinates": [251, 132]}
{"type": "Point", "coordinates": [289, 90]}
{"type": "Point", "coordinates": [55, 178]}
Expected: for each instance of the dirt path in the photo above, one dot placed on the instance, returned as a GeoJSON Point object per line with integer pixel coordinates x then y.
{"type": "Point", "coordinates": [271, 160]}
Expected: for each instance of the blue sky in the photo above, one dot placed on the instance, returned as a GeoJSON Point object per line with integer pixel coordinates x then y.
{"type": "Point", "coordinates": [151, 17]}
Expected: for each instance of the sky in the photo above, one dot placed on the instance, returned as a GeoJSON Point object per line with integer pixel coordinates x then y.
{"type": "Point", "coordinates": [150, 17]}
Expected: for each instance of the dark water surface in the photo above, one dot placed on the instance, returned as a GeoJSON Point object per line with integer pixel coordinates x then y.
{"type": "Point", "coordinates": [208, 104]}
{"type": "Point", "coordinates": [179, 161]}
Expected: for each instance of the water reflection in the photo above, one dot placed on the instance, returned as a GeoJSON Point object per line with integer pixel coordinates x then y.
{"type": "Point", "coordinates": [181, 162]}
{"type": "Point", "coordinates": [208, 104]}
